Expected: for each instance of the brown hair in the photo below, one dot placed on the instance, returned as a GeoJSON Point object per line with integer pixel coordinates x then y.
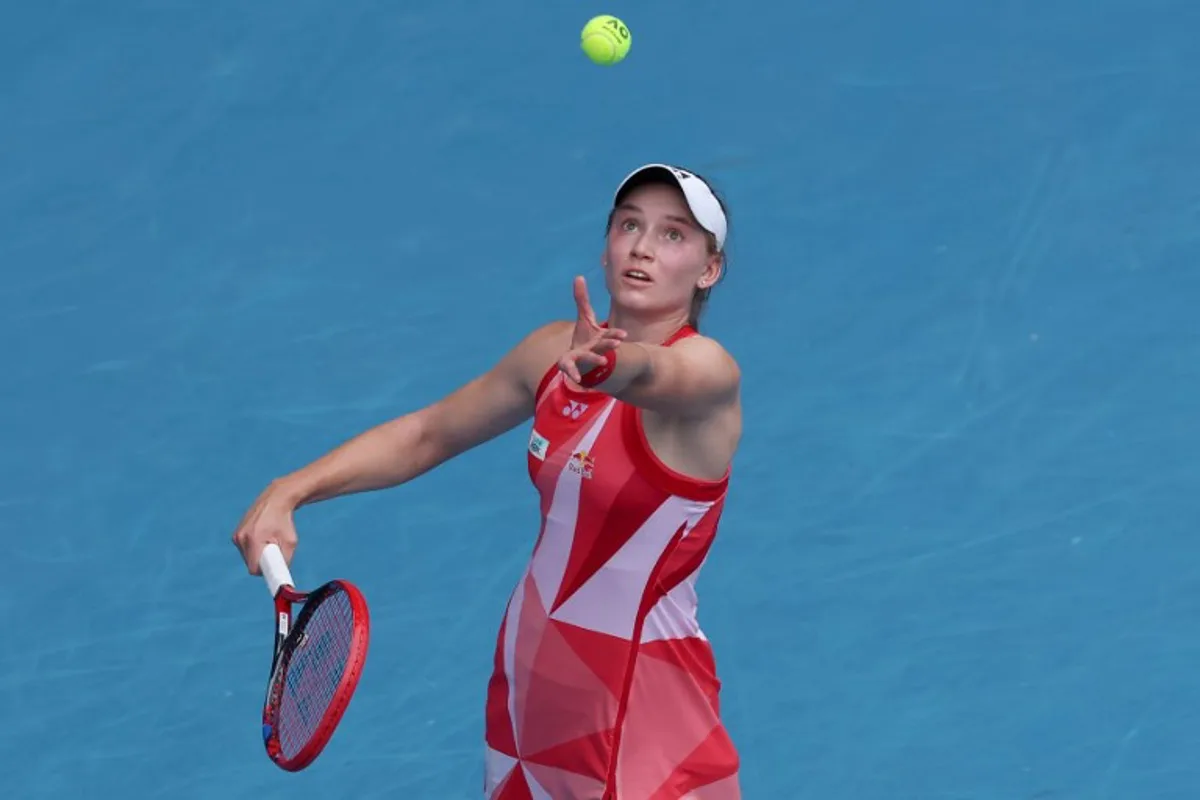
{"type": "Point", "coordinates": [700, 296]}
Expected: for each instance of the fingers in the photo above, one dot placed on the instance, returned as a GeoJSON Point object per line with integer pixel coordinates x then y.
{"type": "Point", "coordinates": [265, 523]}
{"type": "Point", "coordinates": [583, 359]}
{"type": "Point", "coordinates": [610, 339]}
{"type": "Point", "coordinates": [247, 547]}
{"type": "Point", "coordinates": [252, 552]}
{"type": "Point", "coordinates": [241, 540]}
{"type": "Point", "coordinates": [254, 556]}
{"type": "Point", "coordinates": [566, 365]}
{"type": "Point", "coordinates": [582, 304]}
{"type": "Point", "coordinates": [569, 365]}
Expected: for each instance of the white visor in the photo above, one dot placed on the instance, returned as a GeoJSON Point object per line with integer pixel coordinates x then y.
{"type": "Point", "coordinates": [700, 198]}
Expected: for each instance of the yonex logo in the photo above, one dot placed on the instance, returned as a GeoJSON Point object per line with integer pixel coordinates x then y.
{"type": "Point", "coordinates": [574, 409]}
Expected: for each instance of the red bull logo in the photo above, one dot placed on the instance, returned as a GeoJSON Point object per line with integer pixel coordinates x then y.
{"type": "Point", "coordinates": [581, 463]}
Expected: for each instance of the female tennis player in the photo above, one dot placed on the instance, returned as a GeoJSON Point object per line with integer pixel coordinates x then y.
{"type": "Point", "coordinates": [604, 685]}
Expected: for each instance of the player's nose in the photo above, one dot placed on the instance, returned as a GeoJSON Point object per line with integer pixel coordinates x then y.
{"type": "Point", "coordinates": [641, 248]}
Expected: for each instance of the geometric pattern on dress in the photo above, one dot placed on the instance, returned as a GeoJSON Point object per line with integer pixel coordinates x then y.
{"type": "Point", "coordinates": [603, 680]}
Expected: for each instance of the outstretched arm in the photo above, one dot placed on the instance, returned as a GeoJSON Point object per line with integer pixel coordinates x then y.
{"type": "Point", "coordinates": [404, 448]}
{"type": "Point", "coordinates": [400, 450]}
{"type": "Point", "coordinates": [690, 378]}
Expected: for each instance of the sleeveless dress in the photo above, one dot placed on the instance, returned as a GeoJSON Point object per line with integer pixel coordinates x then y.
{"type": "Point", "coordinates": [604, 686]}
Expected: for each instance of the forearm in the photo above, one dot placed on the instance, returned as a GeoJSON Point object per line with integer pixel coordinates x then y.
{"type": "Point", "coordinates": [686, 379]}
{"type": "Point", "coordinates": [382, 457]}
{"type": "Point", "coordinates": [633, 363]}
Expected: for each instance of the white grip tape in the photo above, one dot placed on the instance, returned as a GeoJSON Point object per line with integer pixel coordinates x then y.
{"type": "Point", "coordinates": [274, 568]}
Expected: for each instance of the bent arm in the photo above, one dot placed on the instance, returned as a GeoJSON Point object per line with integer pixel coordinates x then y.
{"type": "Point", "coordinates": [404, 448]}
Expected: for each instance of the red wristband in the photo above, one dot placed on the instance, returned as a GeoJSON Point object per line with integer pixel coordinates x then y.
{"type": "Point", "coordinates": [599, 374]}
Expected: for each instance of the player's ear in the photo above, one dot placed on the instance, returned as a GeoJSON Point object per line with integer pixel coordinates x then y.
{"type": "Point", "coordinates": [712, 271]}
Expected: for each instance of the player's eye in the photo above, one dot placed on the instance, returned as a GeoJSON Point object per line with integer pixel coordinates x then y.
{"type": "Point", "coordinates": [628, 225]}
{"type": "Point", "coordinates": [675, 235]}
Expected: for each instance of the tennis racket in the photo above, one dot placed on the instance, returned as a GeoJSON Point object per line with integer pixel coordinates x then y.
{"type": "Point", "coordinates": [318, 660]}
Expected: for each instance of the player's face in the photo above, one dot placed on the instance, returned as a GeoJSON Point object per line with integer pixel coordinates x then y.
{"type": "Point", "coordinates": [656, 254]}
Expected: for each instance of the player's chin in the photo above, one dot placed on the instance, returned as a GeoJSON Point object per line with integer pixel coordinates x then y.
{"type": "Point", "coordinates": [640, 303]}
{"type": "Point", "coordinates": [634, 290]}
{"type": "Point", "coordinates": [634, 299]}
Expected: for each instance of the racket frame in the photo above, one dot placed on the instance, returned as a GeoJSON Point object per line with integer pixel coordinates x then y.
{"type": "Point", "coordinates": [285, 596]}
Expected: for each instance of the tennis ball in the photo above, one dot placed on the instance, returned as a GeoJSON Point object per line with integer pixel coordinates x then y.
{"type": "Point", "coordinates": [606, 40]}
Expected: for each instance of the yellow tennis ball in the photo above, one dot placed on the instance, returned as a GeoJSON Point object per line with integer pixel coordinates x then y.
{"type": "Point", "coordinates": [606, 40]}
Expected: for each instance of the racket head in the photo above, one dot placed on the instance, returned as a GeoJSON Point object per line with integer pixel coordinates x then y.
{"type": "Point", "coordinates": [316, 671]}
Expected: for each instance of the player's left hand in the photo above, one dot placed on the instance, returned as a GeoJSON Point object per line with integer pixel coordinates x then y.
{"type": "Point", "coordinates": [590, 341]}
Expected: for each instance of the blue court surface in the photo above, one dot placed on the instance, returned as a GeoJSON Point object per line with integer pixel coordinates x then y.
{"type": "Point", "coordinates": [959, 560]}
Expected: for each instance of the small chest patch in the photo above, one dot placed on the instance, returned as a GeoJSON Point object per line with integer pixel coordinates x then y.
{"type": "Point", "coordinates": [538, 445]}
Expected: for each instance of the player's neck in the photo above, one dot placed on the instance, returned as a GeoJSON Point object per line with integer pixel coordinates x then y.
{"type": "Point", "coordinates": [649, 330]}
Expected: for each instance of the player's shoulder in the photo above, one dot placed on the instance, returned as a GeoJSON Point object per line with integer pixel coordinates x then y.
{"type": "Point", "coordinates": [539, 349]}
{"type": "Point", "coordinates": [703, 343]}
{"type": "Point", "coordinates": [550, 335]}
{"type": "Point", "coordinates": [553, 336]}
{"type": "Point", "coordinates": [554, 330]}
{"type": "Point", "coordinates": [708, 351]}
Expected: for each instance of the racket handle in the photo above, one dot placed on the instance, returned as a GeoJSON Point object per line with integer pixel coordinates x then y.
{"type": "Point", "coordinates": [274, 568]}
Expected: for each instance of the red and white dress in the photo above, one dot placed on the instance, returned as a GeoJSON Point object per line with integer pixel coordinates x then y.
{"type": "Point", "coordinates": [604, 686]}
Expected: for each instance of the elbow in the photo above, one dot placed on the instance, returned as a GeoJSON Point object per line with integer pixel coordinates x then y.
{"type": "Point", "coordinates": [414, 438]}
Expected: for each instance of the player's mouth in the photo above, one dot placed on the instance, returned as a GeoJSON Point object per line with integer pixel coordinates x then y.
{"type": "Point", "coordinates": [637, 276]}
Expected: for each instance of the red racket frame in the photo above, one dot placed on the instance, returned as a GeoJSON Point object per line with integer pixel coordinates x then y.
{"type": "Point", "coordinates": [287, 636]}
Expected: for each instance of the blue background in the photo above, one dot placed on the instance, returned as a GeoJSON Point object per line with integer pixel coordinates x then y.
{"type": "Point", "coordinates": [959, 556]}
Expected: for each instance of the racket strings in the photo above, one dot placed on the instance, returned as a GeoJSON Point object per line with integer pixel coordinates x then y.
{"type": "Point", "coordinates": [314, 671]}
